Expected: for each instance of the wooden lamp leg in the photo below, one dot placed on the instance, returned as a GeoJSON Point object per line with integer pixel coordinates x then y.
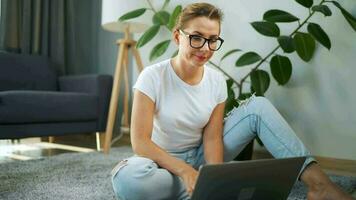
{"type": "Point", "coordinates": [51, 139]}
{"type": "Point", "coordinates": [138, 59]}
{"type": "Point", "coordinates": [126, 96]}
{"type": "Point", "coordinates": [114, 98]}
{"type": "Point", "coordinates": [122, 64]}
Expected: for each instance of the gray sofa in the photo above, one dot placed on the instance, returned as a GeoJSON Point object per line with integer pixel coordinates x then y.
{"type": "Point", "coordinates": [35, 102]}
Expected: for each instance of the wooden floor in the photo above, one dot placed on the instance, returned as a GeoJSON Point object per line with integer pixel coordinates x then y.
{"type": "Point", "coordinates": [33, 148]}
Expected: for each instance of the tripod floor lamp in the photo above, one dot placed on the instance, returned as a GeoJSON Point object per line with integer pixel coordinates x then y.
{"type": "Point", "coordinates": [126, 45]}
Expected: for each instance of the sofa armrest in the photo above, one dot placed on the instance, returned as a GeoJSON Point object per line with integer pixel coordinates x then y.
{"type": "Point", "coordinates": [85, 83]}
{"type": "Point", "coordinates": [99, 85]}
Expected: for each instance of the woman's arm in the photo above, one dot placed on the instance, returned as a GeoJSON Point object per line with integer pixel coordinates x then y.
{"type": "Point", "coordinates": [141, 131]}
{"type": "Point", "coordinates": [213, 136]}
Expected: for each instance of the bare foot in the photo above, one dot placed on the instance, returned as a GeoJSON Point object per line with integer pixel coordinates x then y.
{"type": "Point", "coordinates": [327, 192]}
{"type": "Point", "coordinates": [320, 186]}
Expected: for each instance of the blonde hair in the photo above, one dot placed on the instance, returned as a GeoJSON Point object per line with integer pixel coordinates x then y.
{"type": "Point", "coordinates": [198, 10]}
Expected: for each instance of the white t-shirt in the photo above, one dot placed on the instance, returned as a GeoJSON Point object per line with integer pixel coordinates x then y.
{"type": "Point", "coordinates": [181, 110]}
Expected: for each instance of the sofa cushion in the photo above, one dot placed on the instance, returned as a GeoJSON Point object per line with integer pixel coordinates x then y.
{"type": "Point", "coordinates": [46, 106]}
{"type": "Point", "coordinates": [26, 72]}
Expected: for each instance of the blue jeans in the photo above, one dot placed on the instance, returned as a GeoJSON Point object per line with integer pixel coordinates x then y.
{"type": "Point", "coordinates": [141, 178]}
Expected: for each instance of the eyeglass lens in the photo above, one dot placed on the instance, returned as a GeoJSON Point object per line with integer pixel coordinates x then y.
{"type": "Point", "coordinates": [197, 41]}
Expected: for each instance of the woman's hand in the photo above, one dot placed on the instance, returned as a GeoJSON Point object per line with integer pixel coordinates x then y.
{"type": "Point", "coordinates": [189, 176]}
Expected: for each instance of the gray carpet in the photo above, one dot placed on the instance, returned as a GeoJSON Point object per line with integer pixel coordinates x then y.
{"type": "Point", "coordinates": [84, 176]}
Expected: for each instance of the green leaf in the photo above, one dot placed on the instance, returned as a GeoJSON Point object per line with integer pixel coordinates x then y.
{"type": "Point", "coordinates": [159, 49]}
{"type": "Point", "coordinates": [351, 19]}
{"type": "Point", "coordinates": [323, 9]}
{"type": "Point", "coordinates": [244, 96]}
{"type": "Point", "coordinates": [260, 81]}
{"type": "Point", "coordinates": [229, 83]}
{"type": "Point", "coordinates": [231, 102]}
{"type": "Point", "coordinates": [132, 14]}
{"type": "Point", "coordinates": [281, 69]}
{"type": "Point", "coordinates": [175, 53]}
{"type": "Point", "coordinates": [173, 18]}
{"type": "Point", "coordinates": [319, 34]}
{"type": "Point", "coordinates": [279, 16]}
{"type": "Point", "coordinates": [252, 90]}
{"type": "Point", "coordinates": [229, 53]}
{"type": "Point", "coordinates": [147, 35]}
{"type": "Point", "coordinates": [305, 3]}
{"type": "Point", "coordinates": [287, 43]}
{"type": "Point", "coordinates": [247, 59]}
{"type": "Point", "coordinates": [305, 45]}
{"type": "Point", "coordinates": [266, 28]}
{"type": "Point", "coordinates": [161, 18]}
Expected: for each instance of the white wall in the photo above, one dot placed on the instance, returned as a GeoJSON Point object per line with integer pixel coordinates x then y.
{"type": "Point", "coordinates": [318, 100]}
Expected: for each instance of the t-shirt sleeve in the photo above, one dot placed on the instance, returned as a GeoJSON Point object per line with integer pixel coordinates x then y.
{"type": "Point", "coordinates": [222, 90]}
{"type": "Point", "coordinates": [147, 84]}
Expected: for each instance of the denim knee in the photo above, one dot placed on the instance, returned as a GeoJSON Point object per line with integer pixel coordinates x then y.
{"type": "Point", "coordinates": [132, 180]}
{"type": "Point", "coordinates": [260, 101]}
{"type": "Point", "coordinates": [259, 104]}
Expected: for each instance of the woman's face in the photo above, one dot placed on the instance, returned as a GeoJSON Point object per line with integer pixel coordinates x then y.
{"type": "Point", "coordinates": [201, 26]}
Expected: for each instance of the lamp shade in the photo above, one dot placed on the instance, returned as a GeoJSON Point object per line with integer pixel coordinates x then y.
{"type": "Point", "coordinates": [113, 9]}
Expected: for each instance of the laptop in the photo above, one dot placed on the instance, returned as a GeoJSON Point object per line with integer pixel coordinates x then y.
{"type": "Point", "coordinates": [263, 179]}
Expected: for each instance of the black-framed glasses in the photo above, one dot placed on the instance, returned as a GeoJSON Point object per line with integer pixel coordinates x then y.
{"type": "Point", "coordinates": [197, 41]}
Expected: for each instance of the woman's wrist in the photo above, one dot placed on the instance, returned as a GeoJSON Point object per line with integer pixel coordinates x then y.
{"type": "Point", "coordinates": [183, 169]}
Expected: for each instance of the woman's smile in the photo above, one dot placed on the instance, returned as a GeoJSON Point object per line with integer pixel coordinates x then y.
{"type": "Point", "coordinates": [200, 57]}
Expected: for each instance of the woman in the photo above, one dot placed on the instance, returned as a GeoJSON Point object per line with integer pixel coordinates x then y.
{"type": "Point", "coordinates": [177, 121]}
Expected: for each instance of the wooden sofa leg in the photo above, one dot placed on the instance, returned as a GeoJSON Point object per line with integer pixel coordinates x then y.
{"type": "Point", "coordinates": [51, 139]}
{"type": "Point", "coordinates": [100, 140]}
{"type": "Point", "coordinates": [107, 141]}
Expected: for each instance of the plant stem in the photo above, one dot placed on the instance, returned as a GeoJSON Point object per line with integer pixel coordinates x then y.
{"type": "Point", "coordinates": [260, 63]}
{"type": "Point", "coordinates": [240, 89]}
{"type": "Point", "coordinates": [275, 49]}
{"type": "Point", "coordinates": [150, 4]}
{"type": "Point", "coordinates": [155, 11]}
{"type": "Point", "coordinates": [225, 73]}
{"type": "Point", "coordinates": [305, 21]}
{"type": "Point", "coordinates": [266, 57]}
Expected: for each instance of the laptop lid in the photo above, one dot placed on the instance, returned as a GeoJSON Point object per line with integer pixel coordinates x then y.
{"type": "Point", "coordinates": [270, 179]}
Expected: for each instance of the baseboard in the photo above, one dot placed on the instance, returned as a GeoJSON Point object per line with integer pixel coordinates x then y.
{"type": "Point", "coordinates": [332, 165]}
{"type": "Point", "coordinates": [338, 166]}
